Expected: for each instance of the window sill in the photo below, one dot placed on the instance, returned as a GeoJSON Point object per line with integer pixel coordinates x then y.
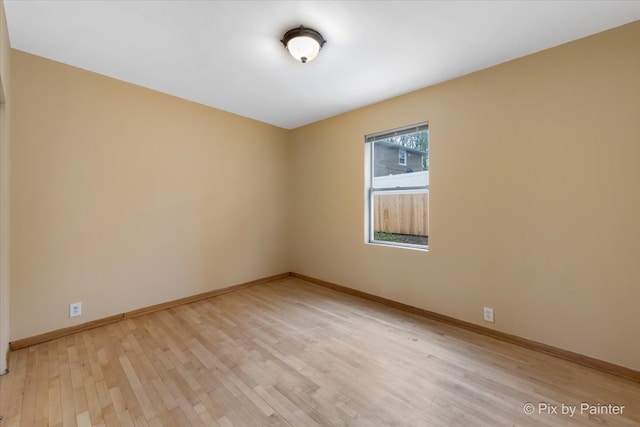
{"type": "Point", "coordinates": [398, 245]}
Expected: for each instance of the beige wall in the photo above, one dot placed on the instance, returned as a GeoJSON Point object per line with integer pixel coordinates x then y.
{"type": "Point", "coordinates": [123, 197]}
{"type": "Point", "coordinates": [4, 189]}
{"type": "Point", "coordinates": [535, 198]}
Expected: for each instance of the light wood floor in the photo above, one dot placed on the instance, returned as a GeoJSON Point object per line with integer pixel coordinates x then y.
{"type": "Point", "coordinates": [292, 353]}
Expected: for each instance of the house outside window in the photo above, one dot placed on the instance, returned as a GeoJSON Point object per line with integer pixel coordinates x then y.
{"type": "Point", "coordinates": [397, 187]}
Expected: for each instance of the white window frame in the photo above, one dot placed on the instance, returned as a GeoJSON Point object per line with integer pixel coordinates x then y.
{"type": "Point", "coordinates": [370, 191]}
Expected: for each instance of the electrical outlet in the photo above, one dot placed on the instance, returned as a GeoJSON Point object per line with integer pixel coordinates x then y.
{"type": "Point", "coordinates": [75, 309]}
{"type": "Point", "coordinates": [488, 314]}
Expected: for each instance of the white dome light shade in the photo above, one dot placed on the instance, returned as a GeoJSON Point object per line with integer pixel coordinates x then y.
{"type": "Point", "coordinates": [303, 48]}
{"type": "Point", "coordinates": [303, 43]}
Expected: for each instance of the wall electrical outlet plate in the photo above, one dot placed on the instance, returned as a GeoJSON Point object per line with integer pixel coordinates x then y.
{"type": "Point", "coordinates": [75, 309]}
{"type": "Point", "coordinates": [488, 314]}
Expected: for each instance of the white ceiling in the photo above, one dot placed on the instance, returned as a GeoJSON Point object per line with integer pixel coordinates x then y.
{"type": "Point", "coordinates": [228, 55]}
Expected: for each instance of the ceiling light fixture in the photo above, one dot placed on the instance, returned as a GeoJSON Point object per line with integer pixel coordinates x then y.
{"type": "Point", "coordinates": [303, 43]}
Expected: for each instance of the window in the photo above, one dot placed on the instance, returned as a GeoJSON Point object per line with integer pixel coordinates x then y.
{"type": "Point", "coordinates": [402, 157]}
{"type": "Point", "coordinates": [397, 187]}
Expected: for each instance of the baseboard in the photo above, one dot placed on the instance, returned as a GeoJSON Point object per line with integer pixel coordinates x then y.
{"type": "Point", "coordinates": [204, 295]}
{"type": "Point", "coordinates": [581, 359]}
{"type": "Point", "coordinates": [59, 333]}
